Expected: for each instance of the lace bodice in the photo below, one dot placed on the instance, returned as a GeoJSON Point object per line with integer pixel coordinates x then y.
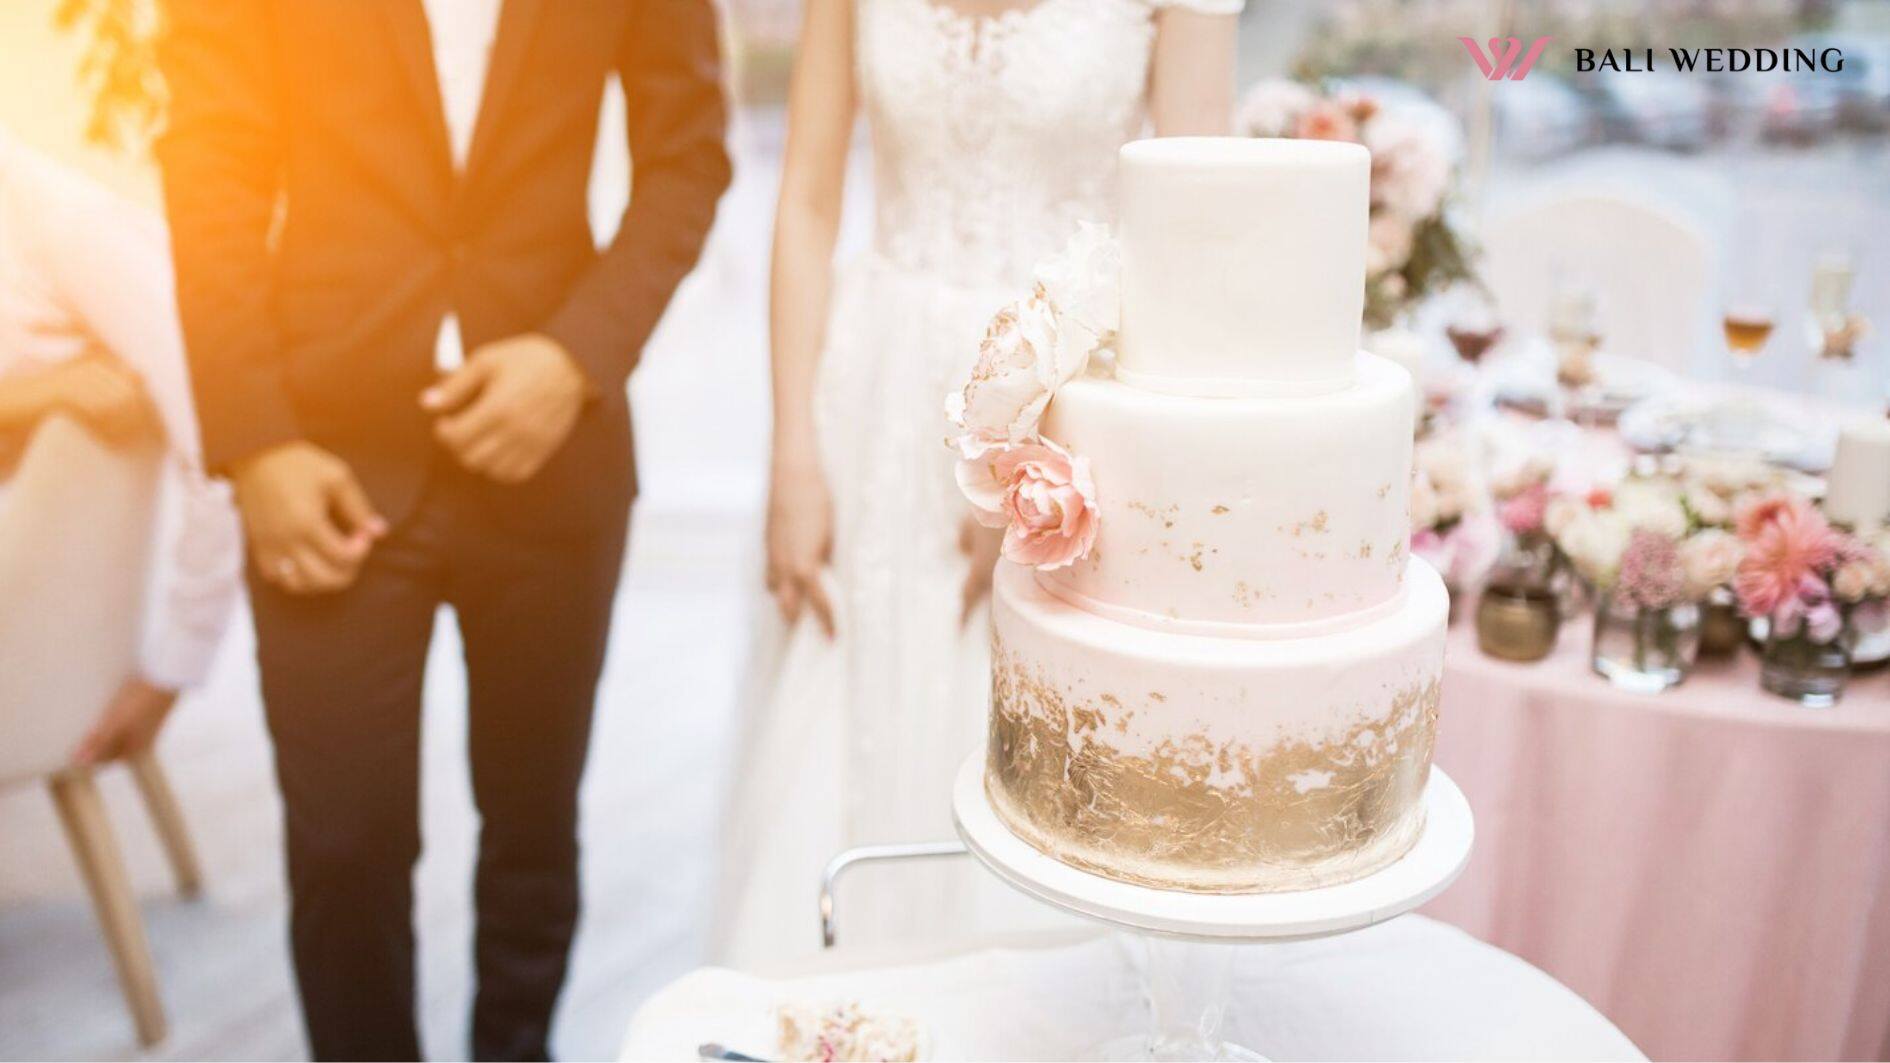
{"type": "Point", "coordinates": [994, 135]}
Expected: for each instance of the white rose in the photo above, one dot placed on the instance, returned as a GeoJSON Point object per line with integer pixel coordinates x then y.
{"type": "Point", "coordinates": [1520, 476]}
{"type": "Point", "coordinates": [1387, 243]}
{"type": "Point", "coordinates": [1594, 541]}
{"type": "Point", "coordinates": [1561, 512]}
{"type": "Point", "coordinates": [1410, 168]}
{"type": "Point", "coordinates": [1017, 371]}
{"type": "Point", "coordinates": [1423, 503]}
{"type": "Point", "coordinates": [1708, 505]}
{"type": "Point", "coordinates": [1272, 108]}
{"type": "Point", "coordinates": [1851, 582]}
{"type": "Point", "coordinates": [1709, 560]}
{"type": "Point", "coordinates": [1083, 283]}
{"type": "Point", "coordinates": [1651, 505]}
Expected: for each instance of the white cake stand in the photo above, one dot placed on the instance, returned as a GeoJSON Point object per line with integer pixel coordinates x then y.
{"type": "Point", "coordinates": [1189, 935]}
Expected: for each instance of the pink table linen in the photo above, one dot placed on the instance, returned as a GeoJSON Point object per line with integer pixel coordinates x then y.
{"type": "Point", "coordinates": [1709, 867]}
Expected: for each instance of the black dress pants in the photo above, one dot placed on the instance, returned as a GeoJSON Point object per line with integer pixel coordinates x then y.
{"type": "Point", "coordinates": [342, 676]}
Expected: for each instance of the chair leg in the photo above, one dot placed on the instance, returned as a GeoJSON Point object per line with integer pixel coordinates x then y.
{"type": "Point", "coordinates": [168, 818]}
{"type": "Point", "coordinates": [82, 811]}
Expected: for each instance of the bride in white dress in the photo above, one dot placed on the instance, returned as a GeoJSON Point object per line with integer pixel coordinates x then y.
{"type": "Point", "coordinates": [994, 131]}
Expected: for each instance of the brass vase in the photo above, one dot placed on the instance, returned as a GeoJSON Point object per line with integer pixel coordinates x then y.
{"type": "Point", "coordinates": [1722, 629]}
{"type": "Point", "coordinates": [1517, 623]}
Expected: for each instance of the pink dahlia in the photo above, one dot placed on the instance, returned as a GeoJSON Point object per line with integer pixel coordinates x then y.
{"type": "Point", "coordinates": [1787, 543]}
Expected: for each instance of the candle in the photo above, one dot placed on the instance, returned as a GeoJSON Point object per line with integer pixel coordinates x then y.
{"type": "Point", "coordinates": [1857, 489]}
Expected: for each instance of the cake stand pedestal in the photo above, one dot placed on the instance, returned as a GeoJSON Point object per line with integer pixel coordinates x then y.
{"type": "Point", "coordinates": [1191, 937]}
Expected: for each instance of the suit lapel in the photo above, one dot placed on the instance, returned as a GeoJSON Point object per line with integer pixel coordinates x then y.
{"type": "Point", "coordinates": [517, 20]}
{"type": "Point", "coordinates": [408, 22]}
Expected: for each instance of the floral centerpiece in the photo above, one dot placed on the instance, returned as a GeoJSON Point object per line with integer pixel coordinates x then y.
{"type": "Point", "coordinates": [1413, 247]}
{"type": "Point", "coordinates": [1018, 480]}
{"type": "Point", "coordinates": [1636, 544]}
{"type": "Point", "coordinates": [1518, 615]}
{"type": "Point", "coordinates": [1521, 494]}
{"type": "Point", "coordinates": [1812, 584]}
{"type": "Point", "coordinates": [1451, 523]}
{"type": "Point", "coordinates": [1713, 488]}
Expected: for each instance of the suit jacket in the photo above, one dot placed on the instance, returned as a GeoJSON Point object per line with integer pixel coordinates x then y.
{"type": "Point", "coordinates": [320, 232]}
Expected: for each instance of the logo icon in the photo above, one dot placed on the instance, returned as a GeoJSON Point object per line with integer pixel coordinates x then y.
{"type": "Point", "coordinates": [1501, 60]}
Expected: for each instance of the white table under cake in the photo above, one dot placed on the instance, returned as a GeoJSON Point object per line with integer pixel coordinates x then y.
{"type": "Point", "coordinates": [1411, 988]}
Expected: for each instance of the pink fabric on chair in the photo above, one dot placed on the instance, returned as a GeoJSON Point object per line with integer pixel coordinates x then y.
{"type": "Point", "coordinates": [1709, 867]}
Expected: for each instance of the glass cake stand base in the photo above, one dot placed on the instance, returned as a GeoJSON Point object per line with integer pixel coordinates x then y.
{"type": "Point", "coordinates": [1192, 938]}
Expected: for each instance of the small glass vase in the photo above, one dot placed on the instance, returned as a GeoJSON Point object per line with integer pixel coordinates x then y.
{"type": "Point", "coordinates": [1811, 673]}
{"type": "Point", "coordinates": [1644, 650]}
{"type": "Point", "coordinates": [1722, 629]}
{"type": "Point", "coordinates": [1867, 642]}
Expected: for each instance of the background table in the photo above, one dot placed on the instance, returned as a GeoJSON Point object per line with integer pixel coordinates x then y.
{"type": "Point", "coordinates": [1408, 989]}
{"type": "Point", "coordinates": [1710, 867]}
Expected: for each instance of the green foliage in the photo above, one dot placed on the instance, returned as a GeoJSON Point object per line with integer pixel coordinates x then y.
{"type": "Point", "coordinates": [1440, 256]}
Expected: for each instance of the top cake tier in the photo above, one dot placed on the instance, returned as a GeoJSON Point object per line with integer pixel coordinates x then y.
{"type": "Point", "coordinates": [1243, 264]}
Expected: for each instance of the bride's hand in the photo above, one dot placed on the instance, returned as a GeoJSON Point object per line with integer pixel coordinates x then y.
{"type": "Point", "coordinates": [800, 543]}
{"type": "Point", "coordinates": [980, 544]}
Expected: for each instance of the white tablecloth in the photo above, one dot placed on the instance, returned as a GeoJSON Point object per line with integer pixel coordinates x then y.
{"type": "Point", "coordinates": [1408, 989]}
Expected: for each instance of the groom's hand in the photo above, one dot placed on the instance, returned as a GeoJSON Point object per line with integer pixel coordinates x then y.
{"type": "Point", "coordinates": [308, 522]}
{"type": "Point", "coordinates": [510, 407]}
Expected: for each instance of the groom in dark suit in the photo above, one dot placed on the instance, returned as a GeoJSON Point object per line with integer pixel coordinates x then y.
{"type": "Point", "coordinates": [353, 187]}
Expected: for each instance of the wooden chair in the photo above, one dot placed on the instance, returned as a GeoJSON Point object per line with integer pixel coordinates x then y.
{"type": "Point", "coordinates": [76, 526]}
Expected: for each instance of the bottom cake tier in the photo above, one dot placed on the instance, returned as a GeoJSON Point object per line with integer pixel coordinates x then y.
{"type": "Point", "coordinates": [1207, 764]}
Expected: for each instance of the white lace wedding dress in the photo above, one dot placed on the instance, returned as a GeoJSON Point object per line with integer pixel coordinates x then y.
{"type": "Point", "coordinates": [992, 136]}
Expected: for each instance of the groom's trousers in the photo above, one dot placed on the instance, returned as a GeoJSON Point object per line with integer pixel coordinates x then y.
{"type": "Point", "coordinates": [342, 677]}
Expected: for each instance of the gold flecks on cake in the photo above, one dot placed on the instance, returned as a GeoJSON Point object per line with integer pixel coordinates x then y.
{"type": "Point", "coordinates": [1194, 558]}
{"type": "Point", "coordinates": [1395, 556]}
{"type": "Point", "coordinates": [1200, 815]}
{"type": "Point", "coordinates": [1384, 489]}
{"type": "Point", "coordinates": [1365, 550]}
{"type": "Point", "coordinates": [1246, 594]}
{"type": "Point", "coordinates": [1218, 510]}
{"type": "Point", "coordinates": [1165, 514]}
{"type": "Point", "coordinates": [1315, 524]}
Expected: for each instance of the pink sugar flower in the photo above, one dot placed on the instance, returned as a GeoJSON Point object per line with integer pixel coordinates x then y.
{"type": "Point", "coordinates": [1040, 495]}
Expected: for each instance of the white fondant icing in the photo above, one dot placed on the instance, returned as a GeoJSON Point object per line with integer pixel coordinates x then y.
{"type": "Point", "coordinates": [1257, 693]}
{"type": "Point", "coordinates": [1242, 259]}
{"type": "Point", "coordinates": [1242, 511]}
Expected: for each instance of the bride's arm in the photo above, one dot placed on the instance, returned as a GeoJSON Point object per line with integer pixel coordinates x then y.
{"type": "Point", "coordinates": [1191, 76]}
{"type": "Point", "coordinates": [807, 223]}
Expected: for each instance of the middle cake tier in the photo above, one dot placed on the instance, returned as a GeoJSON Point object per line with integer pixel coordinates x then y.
{"type": "Point", "coordinates": [1230, 515]}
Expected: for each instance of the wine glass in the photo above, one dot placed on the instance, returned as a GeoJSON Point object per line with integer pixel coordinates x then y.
{"type": "Point", "coordinates": [1747, 326]}
{"type": "Point", "coordinates": [1473, 327]}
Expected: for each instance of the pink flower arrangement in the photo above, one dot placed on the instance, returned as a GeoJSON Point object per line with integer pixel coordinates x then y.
{"type": "Point", "coordinates": [1413, 247]}
{"type": "Point", "coordinates": [1040, 495]}
{"type": "Point", "coordinates": [1802, 573]}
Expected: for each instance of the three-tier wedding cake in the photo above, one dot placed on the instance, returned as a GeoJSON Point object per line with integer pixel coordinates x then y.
{"type": "Point", "coordinates": [1215, 664]}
